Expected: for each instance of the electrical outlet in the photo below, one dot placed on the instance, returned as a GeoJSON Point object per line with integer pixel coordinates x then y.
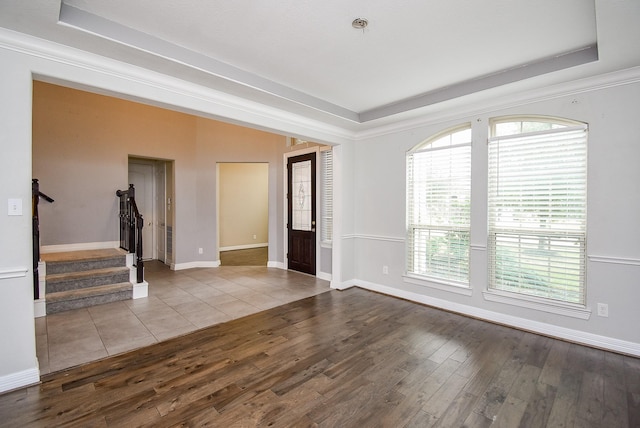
{"type": "Point", "coordinates": [200, 251]}
{"type": "Point", "coordinates": [603, 310]}
{"type": "Point", "coordinates": [254, 237]}
{"type": "Point", "coordinates": [385, 270]}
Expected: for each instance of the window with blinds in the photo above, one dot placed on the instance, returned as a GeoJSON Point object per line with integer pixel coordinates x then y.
{"type": "Point", "coordinates": [438, 207]}
{"type": "Point", "coordinates": [537, 208]}
{"type": "Point", "coordinates": [326, 224]}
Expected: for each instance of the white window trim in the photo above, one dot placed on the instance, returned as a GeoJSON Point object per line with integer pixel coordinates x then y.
{"type": "Point", "coordinates": [438, 284]}
{"type": "Point", "coordinates": [546, 132]}
{"type": "Point", "coordinates": [537, 303]}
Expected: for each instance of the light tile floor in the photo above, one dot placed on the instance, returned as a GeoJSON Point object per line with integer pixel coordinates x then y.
{"type": "Point", "coordinates": [179, 302]}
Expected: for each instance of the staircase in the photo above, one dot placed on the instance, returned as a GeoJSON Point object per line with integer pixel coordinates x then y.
{"type": "Point", "coordinates": [79, 279]}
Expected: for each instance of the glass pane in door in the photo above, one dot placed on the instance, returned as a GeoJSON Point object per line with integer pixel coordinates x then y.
{"type": "Point", "coordinates": [301, 195]}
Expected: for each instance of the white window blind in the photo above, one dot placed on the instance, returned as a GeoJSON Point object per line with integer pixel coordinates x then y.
{"type": "Point", "coordinates": [326, 225]}
{"type": "Point", "coordinates": [438, 207]}
{"type": "Point", "coordinates": [537, 210]}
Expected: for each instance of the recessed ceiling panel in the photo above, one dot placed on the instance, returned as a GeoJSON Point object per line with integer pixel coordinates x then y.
{"type": "Point", "coordinates": [309, 52]}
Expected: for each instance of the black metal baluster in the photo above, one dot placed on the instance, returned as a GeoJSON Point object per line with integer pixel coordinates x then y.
{"type": "Point", "coordinates": [131, 224]}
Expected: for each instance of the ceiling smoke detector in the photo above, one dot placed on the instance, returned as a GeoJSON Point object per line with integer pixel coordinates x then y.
{"type": "Point", "coordinates": [360, 23]}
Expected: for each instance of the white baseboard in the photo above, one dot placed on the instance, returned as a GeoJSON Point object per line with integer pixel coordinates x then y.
{"type": "Point", "coordinates": [244, 247]}
{"type": "Point", "coordinates": [79, 247]}
{"type": "Point", "coordinates": [343, 285]}
{"type": "Point", "coordinates": [20, 379]}
{"type": "Point", "coordinates": [278, 265]}
{"type": "Point", "coordinates": [577, 336]}
{"type": "Point", "coordinates": [324, 275]}
{"type": "Point", "coordinates": [191, 265]}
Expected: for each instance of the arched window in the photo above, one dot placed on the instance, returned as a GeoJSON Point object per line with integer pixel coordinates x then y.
{"type": "Point", "coordinates": [438, 207]}
{"type": "Point", "coordinates": [537, 207]}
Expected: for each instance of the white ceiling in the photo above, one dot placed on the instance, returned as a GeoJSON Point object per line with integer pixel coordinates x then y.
{"type": "Point", "coordinates": [304, 55]}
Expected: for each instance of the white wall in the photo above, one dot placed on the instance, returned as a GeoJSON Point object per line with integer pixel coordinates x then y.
{"type": "Point", "coordinates": [613, 233]}
{"type": "Point", "coordinates": [344, 228]}
{"type": "Point", "coordinates": [18, 363]}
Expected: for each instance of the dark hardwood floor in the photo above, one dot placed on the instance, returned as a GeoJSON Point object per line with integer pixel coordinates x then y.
{"type": "Point", "coordinates": [342, 359]}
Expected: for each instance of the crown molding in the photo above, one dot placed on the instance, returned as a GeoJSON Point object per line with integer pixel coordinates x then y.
{"type": "Point", "coordinates": [483, 107]}
{"type": "Point", "coordinates": [154, 88]}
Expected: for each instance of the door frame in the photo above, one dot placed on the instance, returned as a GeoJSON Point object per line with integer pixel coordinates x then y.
{"type": "Point", "coordinates": [219, 204]}
{"type": "Point", "coordinates": [287, 155]}
{"type": "Point", "coordinates": [155, 164]}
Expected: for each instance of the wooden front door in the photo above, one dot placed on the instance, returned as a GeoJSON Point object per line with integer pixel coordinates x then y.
{"type": "Point", "coordinates": [301, 224]}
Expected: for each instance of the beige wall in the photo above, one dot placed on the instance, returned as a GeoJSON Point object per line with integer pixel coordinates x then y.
{"type": "Point", "coordinates": [244, 204]}
{"type": "Point", "coordinates": [81, 145]}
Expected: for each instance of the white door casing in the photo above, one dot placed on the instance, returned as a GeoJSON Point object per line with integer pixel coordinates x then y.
{"type": "Point", "coordinates": [142, 176]}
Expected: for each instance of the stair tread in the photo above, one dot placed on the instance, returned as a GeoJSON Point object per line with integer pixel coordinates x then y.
{"type": "Point", "coordinates": [88, 292]}
{"type": "Point", "coordinates": [85, 274]}
{"type": "Point", "coordinates": [72, 256]}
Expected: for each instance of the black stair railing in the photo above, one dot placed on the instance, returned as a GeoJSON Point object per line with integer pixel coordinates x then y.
{"type": "Point", "coordinates": [36, 194]}
{"type": "Point", "coordinates": [131, 228]}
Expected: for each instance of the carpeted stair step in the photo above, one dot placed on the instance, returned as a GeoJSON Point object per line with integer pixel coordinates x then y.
{"type": "Point", "coordinates": [75, 261]}
{"type": "Point", "coordinates": [84, 279]}
{"type": "Point", "coordinates": [84, 297]}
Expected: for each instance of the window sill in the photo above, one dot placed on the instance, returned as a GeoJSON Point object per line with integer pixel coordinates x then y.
{"type": "Point", "coordinates": [326, 244]}
{"type": "Point", "coordinates": [438, 284]}
{"type": "Point", "coordinates": [539, 304]}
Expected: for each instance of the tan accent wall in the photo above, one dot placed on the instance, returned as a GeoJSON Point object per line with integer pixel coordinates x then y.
{"type": "Point", "coordinates": [244, 204]}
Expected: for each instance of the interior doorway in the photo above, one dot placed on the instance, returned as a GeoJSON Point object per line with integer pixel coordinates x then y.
{"type": "Point", "coordinates": [243, 213]}
{"type": "Point", "coordinates": [149, 177]}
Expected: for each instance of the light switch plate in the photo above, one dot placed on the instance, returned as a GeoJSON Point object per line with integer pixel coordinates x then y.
{"type": "Point", "coordinates": [15, 207]}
